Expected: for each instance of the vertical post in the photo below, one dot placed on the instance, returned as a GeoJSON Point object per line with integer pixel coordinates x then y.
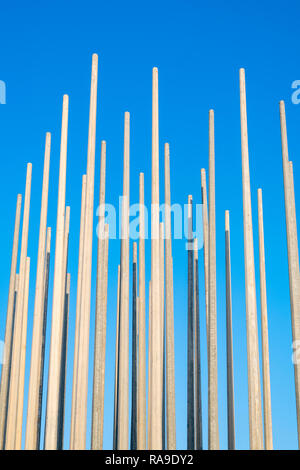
{"type": "Point", "coordinates": [133, 441]}
{"type": "Point", "coordinates": [52, 412]}
{"type": "Point", "coordinates": [162, 322]}
{"type": "Point", "coordinates": [264, 329]}
{"type": "Point", "coordinates": [85, 298]}
{"type": "Point", "coordinates": [115, 433]}
{"type": "Point", "coordinates": [123, 384]}
{"type": "Point", "coordinates": [229, 345]}
{"type": "Point", "coordinates": [141, 410]}
{"type": "Point", "coordinates": [205, 247]}
{"type": "Point", "coordinates": [213, 421]}
{"type": "Point", "coordinates": [198, 401]}
{"type": "Point", "coordinates": [36, 348]}
{"type": "Point", "coordinates": [170, 358]}
{"type": "Point", "coordinates": [190, 336]}
{"type": "Point", "coordinates": [18, 322]}
{"type": "Point", "coordinates": [255, 414]}
{"type": "Point", "coordinates": [156, 359]}
{"type": "Point", "coordinates": [149, 366]}
{"type": "Point", "coordinates": [78, 318]}
{"type": "Point", "coordinates": [100, 317]}
{"type": "Point", "coordinates": [6, 366]}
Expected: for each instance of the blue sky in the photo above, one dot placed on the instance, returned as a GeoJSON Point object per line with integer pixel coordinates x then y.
{"type": "Point", "coordinates": [198, 47]}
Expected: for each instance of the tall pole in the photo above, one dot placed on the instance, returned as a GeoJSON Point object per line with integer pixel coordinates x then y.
{"type": "Point", "coordinates": [293, 255]}
{"type": "Point", "coordinates": [170, 358]}
{"type": "Point", "coordinates": [149, 366]}
{"type": "Point", "coordinates": [141, 408]}
{"type": "Point", "coordinates": [229, 345]}
{"type": "Point", "coordinates": [78, 318]}
{"type": "Point", "coordinates": [100, 320]}
{"type": "Point", "coordinates": [162, 320]}
{"type": "Point", "coordinates": [123, 384]}
{"type": "Point", "coordinates": [133, 440]}
{"type": "Point", "coordinates": [198, 401]}
{"type": "Point", "coordinates": [190, 338]}
{"type": "Point", "coordinates": [213, 421]}
{"type": "Point", "coordinates": [115, 432]}
{"type": "Point", "coordinates": [156, 351]}
{"type": "Point", "coordinates": [10, 442]}
{"type": "Point", "coordinates": [37, 332]}
{"type": "Point", "coordinates": [264, 329]}
{"type": "Point", "coordinates": [85, 300]}
{"type": "Point", "coordinates": [205, 246]}
{"type": "Point", "coordinates": [254, 392]}
{"type": "Point", "coordinates": [52, 412]}
{"type": "Point", "coordinates": [6, 366]}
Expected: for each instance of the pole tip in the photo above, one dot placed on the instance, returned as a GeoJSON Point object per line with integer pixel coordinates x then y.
{"type": "Point", "coordinates": [227, 220]}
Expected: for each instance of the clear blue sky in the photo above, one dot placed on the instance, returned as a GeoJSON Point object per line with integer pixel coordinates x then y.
{"type": "Point", "coordinates": [198, 46]}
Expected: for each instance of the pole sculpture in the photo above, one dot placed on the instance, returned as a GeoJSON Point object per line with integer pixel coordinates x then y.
{"type": "Point", "coordinates": [293, 255]}
{"type": "Point", "coordinates": [156, 366]}
{"type": "Point", "coordinates": [264, 329]}
{"type": "Point", "coordinates": [170, 359]}
{"type": "Point", "coordinates": [100, 317]}
{"type": "Point", "coordinates": [133, 440]}
{"type": "Point", "coordinates": [229, 345]}
{"type": "Point", "coordinates": [11, 428]}
{"type": "Point", "coordinates": [31, 441]}
{"type": "Point", "coordinates": [141, 406]}
{"type": "Point", "coordinates": [254, 392]}
{"type": "Point", "coordinates": [52, 413]}
{"type": "Point", "coordinates": [123, 383]}
{"type": "Point", "coordinates": [190, 338]}
{"type": "Point", "coordinates": [213, 422]}
{"type": "Point", "coordinates": [6, 366]}
{"type": "Point", "coordinates": [115, 432]}
{"type": "Point", "coordinates": [162, 300]}
{"type": "Point", "coordinates": [149, 366]}
{"type": "Point", "coordinates": [205, 248]}
{"type": "Point", "coordinates": [78, 300]}
{"type": "Point", "coordinates": [197, 356]}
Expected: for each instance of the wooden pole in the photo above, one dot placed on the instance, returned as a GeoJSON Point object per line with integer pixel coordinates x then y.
{"type": "Point", "coordinates": [213, 421]}
{"type": "Point", "coordinates": [141, 409]}
{"type": "Point", "coordinates": [293, 255]}
{"type": "Point", "coordinates": [229, 345]}
{"type": "Point", "coordinates": [190, 336]}
{"type": "Point", "coordinates": [78, 319]}
{"type": "Point", "coordinates": [6, 366]}
{"type": "Point", "coordinates": [115, 433]}
{"type": "Point", "coordinates": [149, 366]}
{"type": "Point", "coordinates": [255, 413]}
{"type": "Point", "coordinates": [198, 401]}
{"type": "Point", "coordinates": [264, 329]}
{"type": "Point", "coordinates": [18, 323]}
{"type": "Point", "coordinates": [133, 440]}
{"type": "Point", "coordinates": [100, 320]}
{"type": "Point", "coordinates": [123, 383]}
{"type": "Point", "coordinates": [52, 412]}
{"type": "Point", "coordinates": [162, 320]}
{"type": "Point", "coordinates": [36, 348]}
{"type": "Point", "coordinates": [85, 298]}
{"type": "Point", "coordinates": [170, 358]}
{"type": "Point", "coordinates": [205, 247]}
{"type": "Point", "coordinates": [156, 351]}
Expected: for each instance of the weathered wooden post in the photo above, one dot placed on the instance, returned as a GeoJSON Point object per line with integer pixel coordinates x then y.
{"type": "Point", "coordinates": [198, 400]}
{"type": "Point", "coordinates": [115, 432]}
{"type": "Point", "coordinates": [205, 246]}
{"type": "Point", "coordinates": [133, 440]}
{"type": "Point", "coordinates": [190, 336]}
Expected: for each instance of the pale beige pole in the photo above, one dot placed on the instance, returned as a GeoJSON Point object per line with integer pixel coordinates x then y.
{"type": "Point", "coordinates": [115, 432]}
{"type": "Point", "coordinates": [6, 366]}
{"type": "Point", "coordinates": [205, 246]}
{"type": "Point", "coordinates": [198, 400]}
{"type": "Point", "coordinates": [292, 248]}
{"type": "Point", "coordinates": [99, 353]}
{"type": "Point", "coordinates": [170, 358]}
{"type": "Point", "coordinates": [123, 382]}
{"type": "Point", "coordinates": [100, 317]}
{"type": "Point", "coordinates": [156, 365]}
{"type": "Point", "coordinates": [254, 391]}
{"type": "Point", "coordinates": [213, 420]}
{"type": "Point", "coordinates": [229, 345]}
{"type": "Point", "coordinates": [141, 410]}
{"type": "Point", "coordinates": [80, 415]}
{"type": "Point", "coordinates": [10, 442]}
{"type": "Point", "coordinates": [149, 368]}
{"type": "Point", "coordinates": [162, 322]}
{"type": "Point", "coordinates": [78, 300]}
{"type": "Point", "coordinates": [36, 347]}
{"type": "Point", "coordinates": [264, 329]}
{"type": "Point", "coordinates": [133, 437]}
{"type": "Point", "coordinates": [51, 426]}
{"type": "Point", "coordinates": [19, 420]}
{"type": "Point", "coordinates": [190, 333]}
